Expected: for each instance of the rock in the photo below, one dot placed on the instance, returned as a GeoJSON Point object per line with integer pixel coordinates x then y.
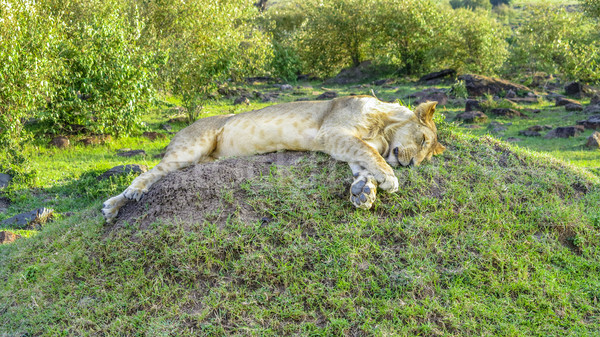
{"type": "Point", "coordinates": [131, 153]}
{"type": "Point", "coordinates": [573, 107]}
{"type": "Point", "coordinates": [385, 81]}
{"type": "Point", "coordinates": [510, 94]}
{"type": "Point", "coordinates": [241, 100]}
{"type": "Point", "coordinates": [4, 180]}
{"type": "Point", "coordinates": [353, 75]}
{"type": "Point", "coordinates": [430, 95]}
{"type": "Point", "coordinates": [438, 75]}
{"type": "Point", "coordinates": [592, 109]}
{"type": "Point", "coordinates": [497, 127]}
{"type": "Point", "coordinates": [31, 219]}
{"type": "Point", "coordinates": [562, 101]}
{"type": "Point", "coordinates": [268, 97]}
{"type": "Point", "coordinates": [579, 90]}
{"type": "Point", "coordinates": [478, 85]}
{"type": "Point", "coordinates": [232, 92]}
{"type": "Point", "coordinates": [539, 128]}
{"type": "Point", "coordinates": [153, 135]}
{"type": "Point", "coordinates": [513, 139]}
{"type": "Point", "coordinates": [260, 79]}
{"type": "Point", "coordinates": [95, 140]}
{"type": "Point", "coordinates": [506, 112]}
{"type": "Point", "coordinates": [4, 204]}
{"type": "Point", "coordinates": [178, 120]}
{"type": "Point", "coordinates": [472, 117]}
{"type": "Point", "coordinates": [524, 100]}
{"type": "Point", "coordinates": [565, 132]}
{"type": "Point", "coordinates": [327, 95]}
{"type": "Point", "coordinates": [123, 169]}
{"type": "Point", "coordinates": [528, 133]}
{"type": "Point", "coordinates": [8, 237]}
{"type": "Point", "coordinates": [592, 123]}
{"type": "Point", "coordinates": [167, 127]}
{"type": "Point", "coordinates": [595, 99]}
{"type": "Point", "coordinates": [593, 141]}
{"type": "Point", "coordinates": [60, 142]}
{"type": "Point", "coordinates": [286, 87]}
{"type": "Point", "coordinates": [472, 105]}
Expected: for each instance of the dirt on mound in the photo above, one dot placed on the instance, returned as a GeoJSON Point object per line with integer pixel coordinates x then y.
{"type": "Point", "coordinates": [206, 192]}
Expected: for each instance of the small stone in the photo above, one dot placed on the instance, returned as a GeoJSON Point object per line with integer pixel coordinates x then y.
{"type": "Point", "coordinates": [565, 132]}
{"type": "Point", "coordinates": [593, 141]}
{"type": "Point", "coordinates": [528, 133]}
{"type": "Point", "coordinates": [513, 139]}
{"type": "Point", "coordinates": [327, 95]}
{"type": "Point", "coordinates": [286, 87]}
{"type": "Point", "coordinates": [153, 135]}
{"type": "Point", "coordinates": [573, 107]}
{"type": "Point", "coordinates": [4, 180]}
{"type": "Point", "coordinates": [592, 123]}
{"type": "Point", "coordinates": [472, 117]}
{"type": "Point", "coordinates": [60, 142]}
{"type": "Point", "coordinates": [123, 169]}
{"type": "Point", "coordinates": [510, 94]}
{"type": "Point", "coordinates": [562, 101]}
{"type": "Point", "coordinates": [29, 219]}
{"type": "Point", "coordinates": [472, 105]}
{"type": "Point", "coordinates": [131, 153]}
{"type": "Point", "coordinates": [8, 237]}
{"type": "Point", "coordinates": [167, 127]}
{"type": "Point", "coordinates": [506, 112]}
{"type": "Point", "coordinates": [241, 100]}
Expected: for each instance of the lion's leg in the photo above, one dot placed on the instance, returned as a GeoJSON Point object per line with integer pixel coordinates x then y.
{"type": "Point", "coordinates": [177, 157]}
{"type": "Point", "coordinates": [345, 147]}
{"type": "Point", "coordinates": [364, 188]}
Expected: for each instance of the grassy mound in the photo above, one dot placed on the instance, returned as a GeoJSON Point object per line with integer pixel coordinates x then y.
{"type": "Point", "coordinates": [488, 239]}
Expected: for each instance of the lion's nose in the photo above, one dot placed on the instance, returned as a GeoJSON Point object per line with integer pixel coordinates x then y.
{"type": "Point", "coordinates": [396, 152]}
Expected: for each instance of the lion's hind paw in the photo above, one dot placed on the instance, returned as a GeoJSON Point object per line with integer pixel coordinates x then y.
{"type": "Point", "coordinates": [363, 192]}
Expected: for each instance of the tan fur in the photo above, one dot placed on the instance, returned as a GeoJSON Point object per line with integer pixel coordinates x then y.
{"type": "Point", "coordinates": [368, 134]}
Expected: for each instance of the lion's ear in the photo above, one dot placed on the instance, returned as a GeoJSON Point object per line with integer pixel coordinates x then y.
{"type": "Point", "coordinates": [438, 149]}
{"type": "Point", "coordinates": [425, 112]}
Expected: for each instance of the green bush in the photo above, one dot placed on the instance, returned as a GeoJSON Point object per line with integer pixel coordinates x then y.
{"type": "Point", "coordinates": [591, 7]}
{"type": "Point", "coordinates": [474, 42]}
{"type": "Point", "coordinates": [408, 34]}
{"type": "Point", "coordinates": [335, 34]}
{"type": "Point", "coordinates": [104, 82]}
{"type": "Point", "coordinates": [554, 40]}
{"type": "Point", "coordinates": [207, 42]}
{"type": "Point", "coordinates": [26, 44]}
{"type": "Point", "coordinates": [471, 4]}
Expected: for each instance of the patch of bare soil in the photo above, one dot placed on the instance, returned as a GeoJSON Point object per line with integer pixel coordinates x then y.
{"type": "Point", "coordinates": [205, 192]}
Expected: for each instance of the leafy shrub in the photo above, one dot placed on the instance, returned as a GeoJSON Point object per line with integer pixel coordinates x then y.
{"type": "Point", "coordinates": [207, 43]}
{"type": "Point", "coordinates": [471, 4]}
{"type": "Point", "coordinates": [474, 42]}
{"type": "Point", "coordinates": [591, 7]}
{"type": "Point", "coordinates": [496, 3]}
{"type": "Point", "coordinates": [104, 82]}
{"type": "Point", "coordinates": [554, 40]}
{"type": "Point", "coordinates": [335, 34]}
{"type": "Point", "coordinates": [26, 43]}
{"type": "Point", "coordinates": [409, 34]}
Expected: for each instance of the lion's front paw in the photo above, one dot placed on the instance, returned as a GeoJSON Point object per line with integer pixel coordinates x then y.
{"type": "Point", "coordinates": [389, 183]}
{"type": "Point", "coordinates": [111, 207]}
{"type": "Point", "coordinates": [363, 191]}
{"type": "Point", "coordinates": [134, 193]}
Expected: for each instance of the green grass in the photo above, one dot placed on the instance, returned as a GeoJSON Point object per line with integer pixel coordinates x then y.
{"type": "Point", "coordinates": [489, 238]}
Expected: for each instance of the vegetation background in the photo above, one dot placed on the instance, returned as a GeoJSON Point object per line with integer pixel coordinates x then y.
{"type": "Point", "coordinates": [492, 239]}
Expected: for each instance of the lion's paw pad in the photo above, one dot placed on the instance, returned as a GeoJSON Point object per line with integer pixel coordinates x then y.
{"type": "Point", "coordinates": [363, 192]}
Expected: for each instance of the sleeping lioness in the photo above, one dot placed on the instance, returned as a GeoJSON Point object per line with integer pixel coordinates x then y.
{"type": "Point", "coordinates": [367, 133]}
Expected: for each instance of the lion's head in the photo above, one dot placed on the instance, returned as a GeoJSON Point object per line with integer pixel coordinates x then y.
{"type": "Point", "coordinates": [414, 140]}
